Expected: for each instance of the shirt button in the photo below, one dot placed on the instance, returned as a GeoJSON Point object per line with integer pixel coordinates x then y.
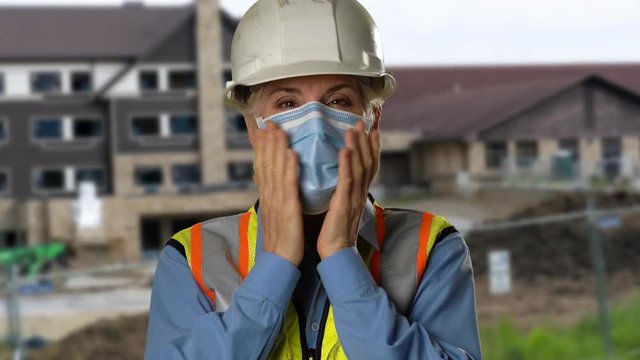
{"type": "Point", "coordinates": [315, 327]}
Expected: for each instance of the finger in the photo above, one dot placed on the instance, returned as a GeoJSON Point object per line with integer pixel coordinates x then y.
{"type": "Point", "coordinates": [351, 143]}
{"type": "Point", "coordinates": [365, 152]}
{"type": "Point", "coordinates": [280, 155]}
{"type": "Point", "coordinates": [270, 125]}
{"type": "Point", "coordinates": [258, 156]}
{"type": "Point", "coordinates": [291, 172]}
{"type": "Point", "coordinates": [345, 179]}
{"type": "Point", "coordinates": [269, 156]}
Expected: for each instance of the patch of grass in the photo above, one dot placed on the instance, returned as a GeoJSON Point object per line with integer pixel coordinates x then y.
{"type": "Point", "coordinates": [5, 351]}
{"type": "Point", "coordinates": [582, 341]}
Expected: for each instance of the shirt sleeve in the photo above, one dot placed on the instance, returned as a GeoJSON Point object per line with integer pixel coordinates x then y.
{"type": "Point", "coordinates": [442, 322]}
{"type": "Point", "coordinates": [183, 324]}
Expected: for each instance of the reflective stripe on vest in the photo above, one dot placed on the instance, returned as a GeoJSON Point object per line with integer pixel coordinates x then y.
{"type": "Point", "coordinates": [222, 251]}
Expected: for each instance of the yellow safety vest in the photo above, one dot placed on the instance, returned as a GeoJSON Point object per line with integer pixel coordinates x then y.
{"type": "Point", "coordinates": [229, 245]}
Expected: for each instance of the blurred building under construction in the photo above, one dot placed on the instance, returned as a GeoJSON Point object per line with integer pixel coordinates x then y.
{"type": "Point", "coordinates": [130, 98]}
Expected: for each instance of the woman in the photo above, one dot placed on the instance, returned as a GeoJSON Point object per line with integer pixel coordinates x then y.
{"type": "Point", "coordinates": [317, 268]}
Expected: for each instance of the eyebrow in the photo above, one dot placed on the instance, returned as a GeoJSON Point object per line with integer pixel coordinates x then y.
{"type": "Point", "coordinates": [298, 91]}
{"type": "Point", "coordinates": [342, 86]}
{"type": "Point", "coordinates": [285, 89]}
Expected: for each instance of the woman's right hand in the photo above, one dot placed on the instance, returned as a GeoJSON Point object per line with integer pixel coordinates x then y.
{"type": "Point", "coordinates": [276, 173]}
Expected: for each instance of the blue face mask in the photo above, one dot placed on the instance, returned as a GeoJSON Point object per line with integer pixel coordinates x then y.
{"type": "Point", "coordinates": [316, 134]}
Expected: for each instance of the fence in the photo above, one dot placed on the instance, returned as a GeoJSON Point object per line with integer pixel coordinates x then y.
{"type": "Point", "coordinates": [545, 249]}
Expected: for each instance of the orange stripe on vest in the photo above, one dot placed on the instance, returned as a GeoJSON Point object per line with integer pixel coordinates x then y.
{"type": "Point", "coordinates": [421, 257]}
{"type": "Point", "coordinates": [196, 259]}
{"type": "Point", "coordinates": [243, 251]}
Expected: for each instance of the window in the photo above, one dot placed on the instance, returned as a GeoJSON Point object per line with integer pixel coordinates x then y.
{"type": "Point", "coordinates": [4, 182]}
{"type": "Point", "coordinates": [145, 126]}
{"type": "Point", "coordinates": [148, 176]}
{"type": "Point", "coordinates": [3, 131]}
{"type": "Point", "coordinates": [50, 180]}
{"type": "Point", "coordinates": [67, 179]}
{"type": "Point", "coordinates": [184, 125]}
{"type": "Point", "coordinates": [8, 239]}
{"type": "Point", "coordinates": [611, 154]}
{"type": "Point", "coordinates": [48, 129]}
{"type": "Point", "coordinates": [495, 154]}
{"type": "Point", "coordinates": [182, 79]}
{"type": "Point", "coordinates": [148, 80]}
{"type": "Point", "coordinates": [1, 83]}
{"type": "Point", "coordinates": [526, 153]}
{"type": "Point", "coordinates": [236, 131]}
{"type": "Point", "coordinates": [94, 175]}
{"type": "Point", "coordinates": [81, 82]}
{"type": "Point", "coordinates": [226, 77]}
{"type": "Point", "coordinates": [611, 148]}
{"type": "Point", "coordinates": [67, 129]}
{"type": "Point", "coordinates": [86, 128]}
{"type": "Point", "coordinates": [46, 82]}
{"type": "Point", "coordinates": [185, 174]}
{"type": "Point", "coordinates": [241, 171]}
{"type": "Point", "coordinates": [164, 125]}
{"type": "Point", "coordinates": [236, 123]}
{"type": "Point", "coordinates": [571, 147]}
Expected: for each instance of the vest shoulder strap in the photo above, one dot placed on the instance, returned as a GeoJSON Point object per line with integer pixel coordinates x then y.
{"type": "Point", "coordinates": [228, 249]}
{"type": "Point", "coordinates": [433, 229]}
{"type": "Point", "coordinates": [409, 238]}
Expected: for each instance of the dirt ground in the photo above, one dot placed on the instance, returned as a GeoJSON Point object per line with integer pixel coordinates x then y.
{"type": "Point", "coordinates": [551, 268]}
{"type": "Point", "coordinates": [119, 339]}
{"type": "Point", "coordinates": [553, 278]}
{"type": "Point", "coordinates": [554, 302]}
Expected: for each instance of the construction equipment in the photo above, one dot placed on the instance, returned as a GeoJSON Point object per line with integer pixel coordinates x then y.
{"type": "Point", "coordinates": [27, 262]}
{"type": "Point", "coordinates": [34, 260]}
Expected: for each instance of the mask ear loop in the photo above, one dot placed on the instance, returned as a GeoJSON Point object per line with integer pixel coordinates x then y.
{"type": "Point", "coordinates": [260, 122]}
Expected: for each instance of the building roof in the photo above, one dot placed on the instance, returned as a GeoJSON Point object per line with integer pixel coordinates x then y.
{"type": "Point", "coordinates": [461, 115]}
{"type": "Point", "coordinates": [438, 79]}
{"type": "Point", "coordinates": [68, 33]}
{"type": "Point", "coordinates": [460, 102]}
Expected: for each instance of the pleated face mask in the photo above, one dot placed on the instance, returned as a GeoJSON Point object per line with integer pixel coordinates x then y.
{"type": "Point", "coordinates": [316, 134]}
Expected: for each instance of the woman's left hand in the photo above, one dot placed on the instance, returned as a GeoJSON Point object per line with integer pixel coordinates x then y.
{"type": "Point", "coordinates": [357, 165]}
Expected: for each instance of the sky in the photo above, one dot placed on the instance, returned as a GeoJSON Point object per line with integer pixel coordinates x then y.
{"type": "Point", "coordinates": [467, 32]}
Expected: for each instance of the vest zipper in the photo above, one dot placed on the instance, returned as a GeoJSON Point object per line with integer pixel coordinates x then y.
{"type": "Point", "coordinates": [323, 322]}
{"type": "Point", "coordinates": [306, 353]}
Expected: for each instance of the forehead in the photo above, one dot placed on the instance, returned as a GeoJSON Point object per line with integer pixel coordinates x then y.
{"type": "Point", "coordinates": [313, 83]}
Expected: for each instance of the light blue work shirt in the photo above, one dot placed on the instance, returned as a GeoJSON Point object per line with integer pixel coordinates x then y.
{"type": "Point", "coordinates": [441, 323]}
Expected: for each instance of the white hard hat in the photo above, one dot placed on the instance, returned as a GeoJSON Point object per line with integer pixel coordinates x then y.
{"type": "Point", "coordinates": [279, 39]}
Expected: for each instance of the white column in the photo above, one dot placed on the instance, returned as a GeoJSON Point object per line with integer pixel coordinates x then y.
{"type": "Point", "coordinates": [165, 126]}
{"type": "Point", "coordinates": [69, 179]}
{"type": "Point", "coordinates": [67, 128]}
{"type": "Point", "coordinates": [163, 79]}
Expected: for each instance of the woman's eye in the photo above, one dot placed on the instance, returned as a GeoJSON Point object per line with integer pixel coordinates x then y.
{"type": "Point", "coordinates": [287, 104]}
{"type": "Point", "coordinates": [340, 102]}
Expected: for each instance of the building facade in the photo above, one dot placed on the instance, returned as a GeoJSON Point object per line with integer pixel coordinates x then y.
{"type": "Point", "coordinates": [112, 96]}
{"type": "Point", "coordinates": [554, 128]}
{"type": "Point", "coordinates": [129, 99]}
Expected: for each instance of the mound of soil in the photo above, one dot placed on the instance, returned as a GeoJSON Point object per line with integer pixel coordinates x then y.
{"type": "Point", "coordinates": [561, 249]}
{"type": "Point", "coordinates": [120, 339]}
{"type": "Point", "coordinates": [565, 202]}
